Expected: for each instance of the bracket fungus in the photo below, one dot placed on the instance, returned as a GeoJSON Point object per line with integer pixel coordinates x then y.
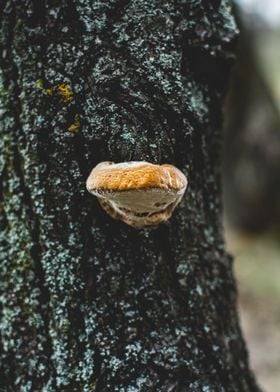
{"type": "Point", "coordinates": [141, 194]}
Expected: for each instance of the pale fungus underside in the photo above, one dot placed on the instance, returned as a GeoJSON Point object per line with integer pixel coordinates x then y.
{"type": "Point", "coordinates": [140, 194]}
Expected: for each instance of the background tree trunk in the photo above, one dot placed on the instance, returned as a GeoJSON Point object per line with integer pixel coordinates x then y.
{"type": "Point", "coordinates": [252, 137]}
{"type": "Point", "coordinates": [88, 303]}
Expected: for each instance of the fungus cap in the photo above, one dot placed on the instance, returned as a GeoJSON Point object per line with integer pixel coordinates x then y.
{"type": "Point", "coordinates": [140, 194]}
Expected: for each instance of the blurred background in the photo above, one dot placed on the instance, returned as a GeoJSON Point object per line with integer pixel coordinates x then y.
{"type": "Point", "coordinates": [251, 176]}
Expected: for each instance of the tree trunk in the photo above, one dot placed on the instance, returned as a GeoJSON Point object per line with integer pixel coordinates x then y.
{"type": "Point", "coordinates": [89, 303]}
{"type": "Point", "coordinates": [252, 138]}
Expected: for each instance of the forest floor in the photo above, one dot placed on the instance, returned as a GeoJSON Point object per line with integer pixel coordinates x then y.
{"type": "Point", "coordinates": [257, 267]}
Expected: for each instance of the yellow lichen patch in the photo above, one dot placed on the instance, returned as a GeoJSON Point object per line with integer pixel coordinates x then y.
{"type": "Point", "coordinates": [65, 92]}
{"type": "Point", "coordinates": [39, 83]}
{"type": "Point", "coordinates": [76, 125]}
{"type": "Point", "coordinates": [49, 91]}
{"type": "Point", "coordinates": [25, 265]}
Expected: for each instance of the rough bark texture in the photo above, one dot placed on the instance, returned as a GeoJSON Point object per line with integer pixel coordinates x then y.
{"type": "Point", "coordinates": [88, 303]}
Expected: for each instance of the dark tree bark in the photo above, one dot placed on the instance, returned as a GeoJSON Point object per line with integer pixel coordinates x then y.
{"type": "Point", "coordinates": [88, 303]}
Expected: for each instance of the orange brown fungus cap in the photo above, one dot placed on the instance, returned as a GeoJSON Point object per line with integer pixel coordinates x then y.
{"type": "Point", "coordinates": [140, 194]}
